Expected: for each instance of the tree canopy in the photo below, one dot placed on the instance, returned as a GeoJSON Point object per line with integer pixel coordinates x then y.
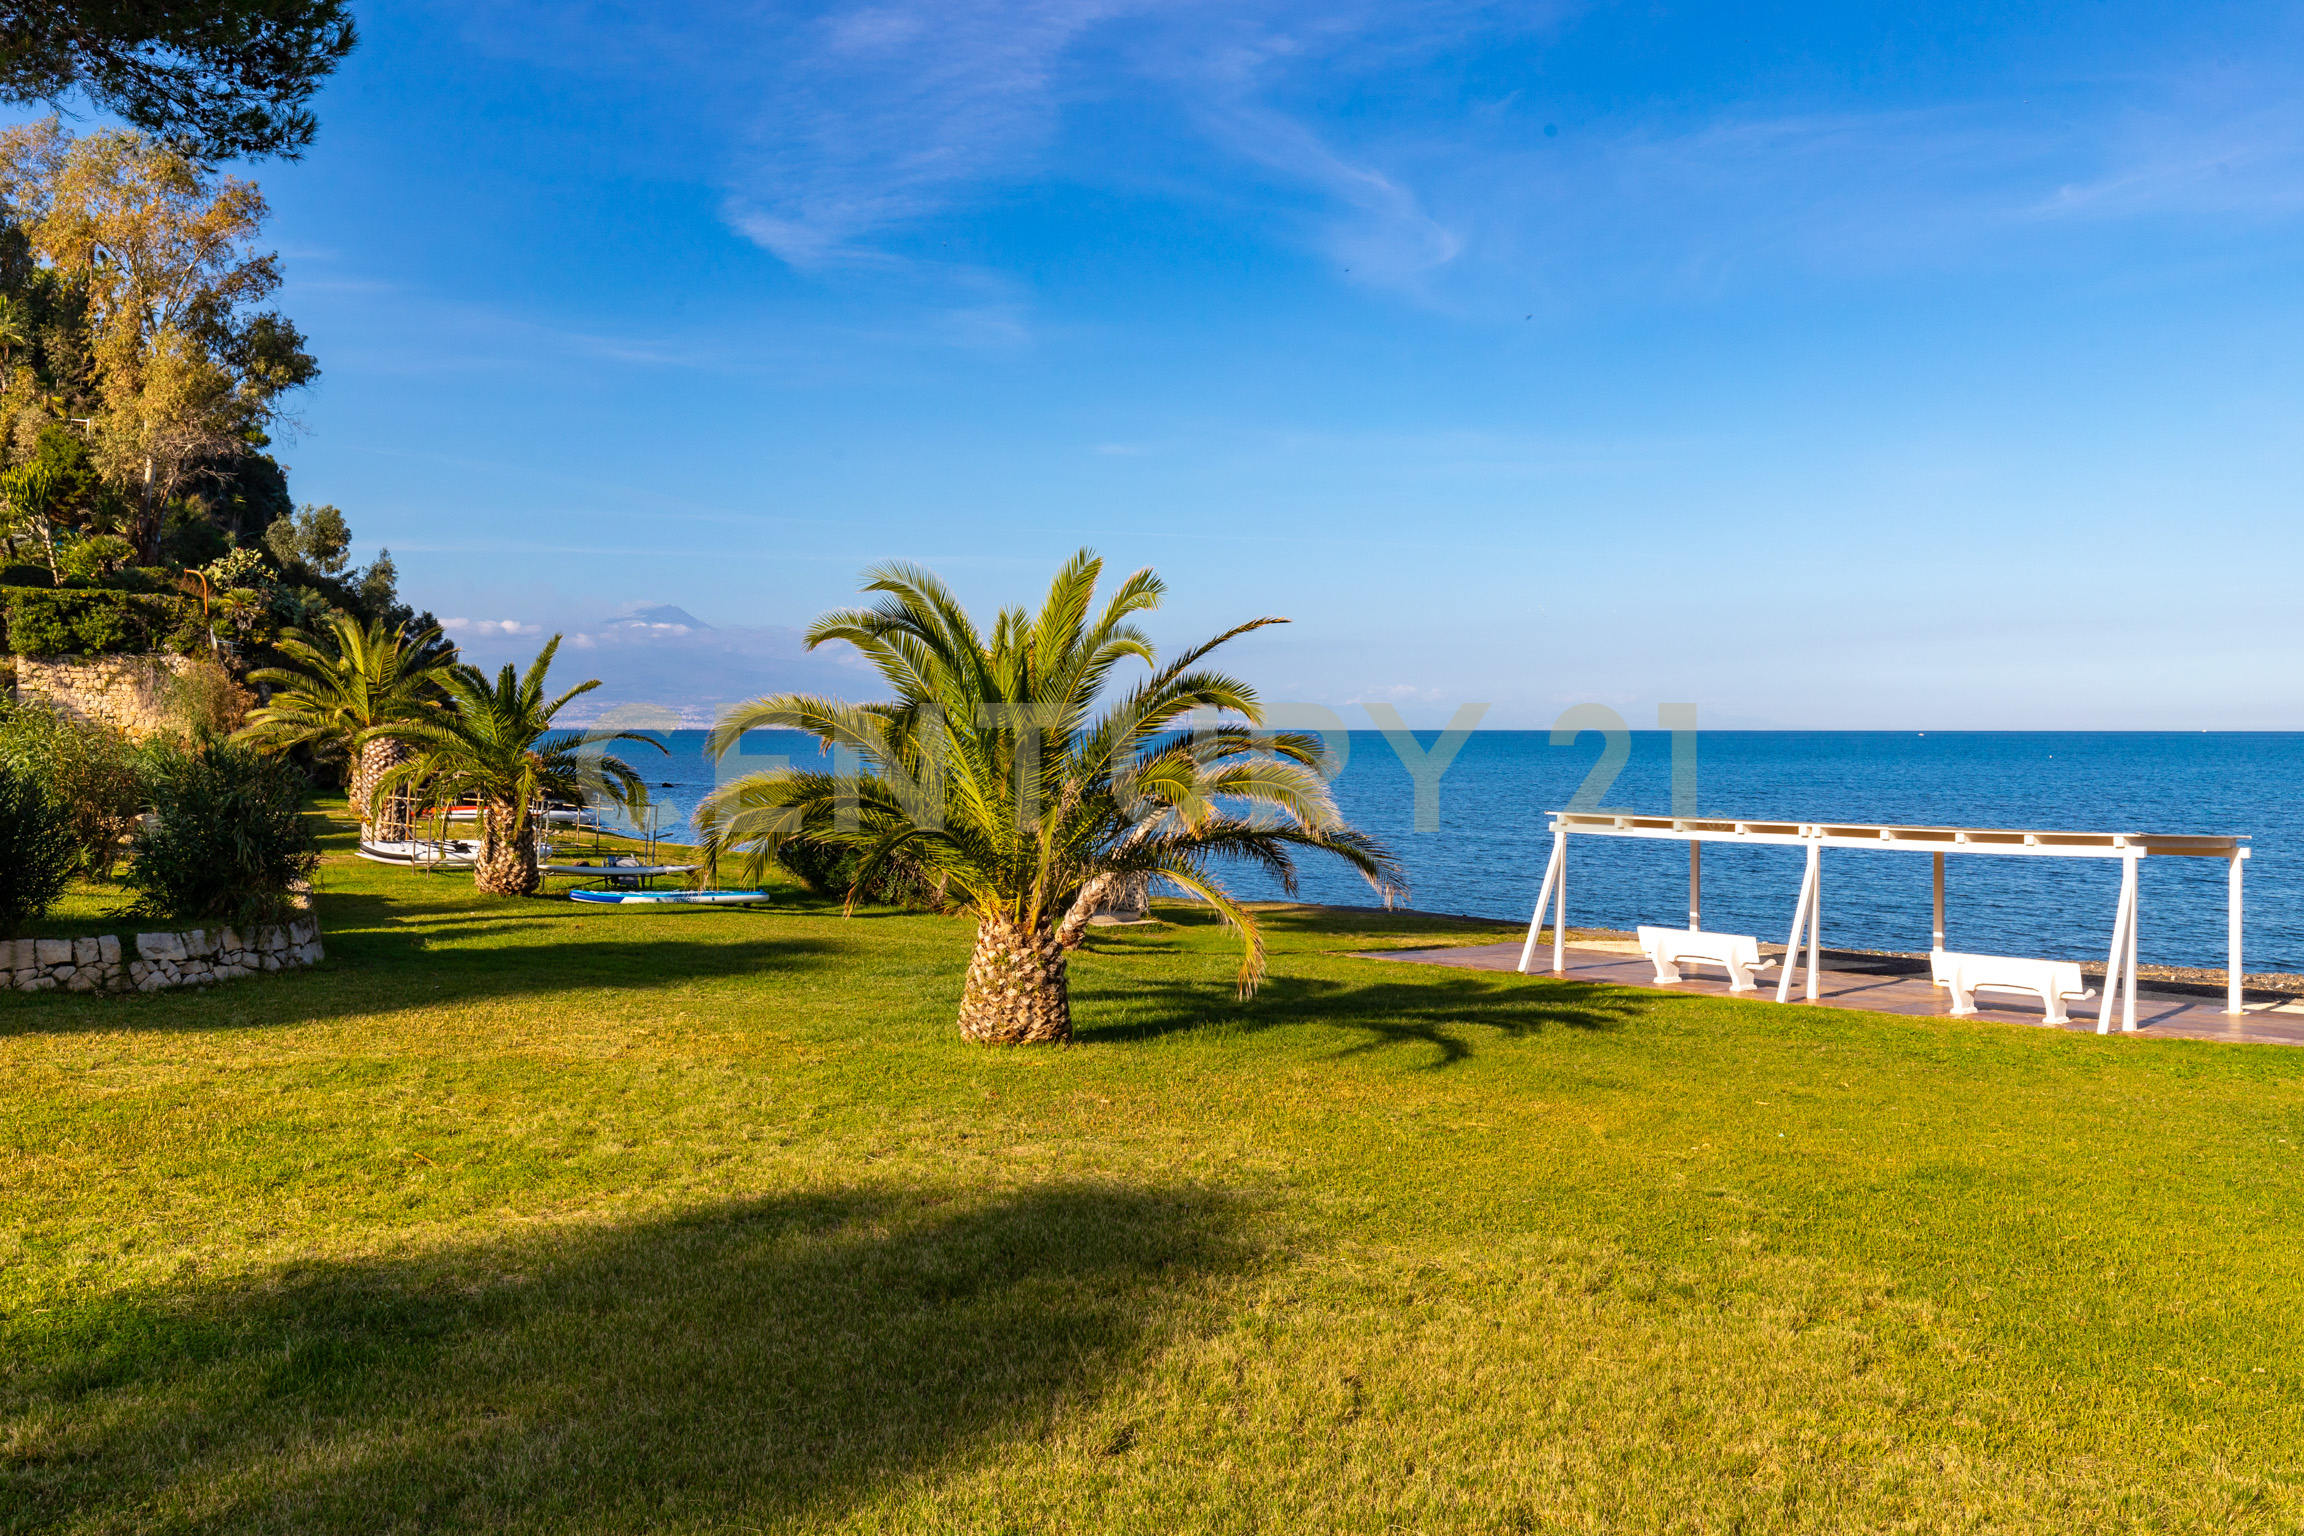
{"type": "Point", "coordinates": [145, 265]}
{"type": "Point", "coordinates": [142, 373]}
{"type": "Point", "coordinates": [219, 80]}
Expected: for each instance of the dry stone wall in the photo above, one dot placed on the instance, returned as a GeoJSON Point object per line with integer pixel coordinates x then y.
{"type": "Point", "coordinates": [129, 692]}
{"type": "Point", "coordinates": [151, 961]}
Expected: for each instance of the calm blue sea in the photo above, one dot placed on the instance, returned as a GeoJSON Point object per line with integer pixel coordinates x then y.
{"type": "Point", "coordinates": [1488, 852]}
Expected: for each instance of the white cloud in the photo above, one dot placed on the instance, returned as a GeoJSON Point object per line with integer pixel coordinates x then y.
{"type": "Point", "coordinates": [855, 121]}
{"type": "Point", "coordinates": [853, 124]}
{"type": "Point", "coordinates": [690, 669]}
{"type": "Point", "coordinates": [1375, 225]}
{"type": "Point", "coordinates": [881, 113]}
{"type": "Point", "coordinates": [2243, 157]}
{"type": "Point", "coordinates": [484, 628]}
{"type": "Point", "coordinates": [636, 632]}
{"type": "Point", "coordinates": [1399, 693]}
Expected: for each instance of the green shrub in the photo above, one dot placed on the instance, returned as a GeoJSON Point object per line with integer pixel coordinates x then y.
{"type": "Point", "coordinates": [94, 775]}
{"type": "Point", "coordinates": [227, 839]}
{"type": "Point", "coordinates": [73, 621]}
{"type": "Point", "coordinates": [206, 700]}
{"type": "Point", "coordinates": [36, 851]}
{"type": "Point", "coordinates": [91, 560]}
{"type": "Point", "coordinates": [147, 578]}
{"type": "Point", "coordinates": [831, 871]}
{"type": "Point", "coordinates": [131, 578]}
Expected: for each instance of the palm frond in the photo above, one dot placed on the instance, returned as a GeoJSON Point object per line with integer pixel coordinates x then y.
{"type": "Point", "coordinates": [1003, 765]}
{"type": "Point", "coordinates": [343, 684]}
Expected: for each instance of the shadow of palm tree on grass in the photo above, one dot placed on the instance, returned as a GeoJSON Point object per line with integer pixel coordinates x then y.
{"type": "Point", "coordinates": [1439, 1009]}
{"type": "Point", "coordinates": [761, 1361]}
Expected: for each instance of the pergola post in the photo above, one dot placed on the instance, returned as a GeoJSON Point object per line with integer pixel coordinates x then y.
{"type": "Point", "coordinates": [1552, 867]}
{"type": "Point", "coordinates": [2122, 957]}
{"type": "Point", "coordinates": [1939, 930]}
{"type": "Point", "coordinates": [2232, 971]}
{"type": "Point", "coordinates": [1802, 918]}
{"type": "Point", "coordinates": [1815, 915]}
{"type": "Point", "coordinates": [1560, 913]}
{"type": "Point", "coordinates": [2128, 992]}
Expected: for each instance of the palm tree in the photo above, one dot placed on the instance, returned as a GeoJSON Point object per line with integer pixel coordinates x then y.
{"type": "Point", "coordinates": [996, 778]}
{"type": "Point", "coordinates": [496, 744]}
{"type": "Point", "coordinates": [341, 692]}
{"type": "Point", "coordinates": [15, 330]}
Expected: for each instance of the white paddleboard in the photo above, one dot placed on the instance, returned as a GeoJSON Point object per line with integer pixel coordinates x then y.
{"type": "Point", "coordinates": [422, 853]}
{"type": "Point", "coordinates": [671, 898]}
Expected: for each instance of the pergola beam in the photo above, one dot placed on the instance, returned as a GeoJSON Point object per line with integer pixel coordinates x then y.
{"type": "Point", "coordinates": [1838, 834]}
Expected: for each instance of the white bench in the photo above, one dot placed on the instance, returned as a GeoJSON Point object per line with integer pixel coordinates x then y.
{"type": "Point", "coordinates": [1671, 948]}
{"type": "Point", "coordinates": [2052, 981]}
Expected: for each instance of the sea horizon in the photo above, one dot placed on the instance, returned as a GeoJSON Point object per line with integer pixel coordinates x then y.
{"type": "Point", "coordinates": [1485, 856]}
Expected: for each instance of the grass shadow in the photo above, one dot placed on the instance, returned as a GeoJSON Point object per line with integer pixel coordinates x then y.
{"type": "Point", "coordinates": [1440, 1009]}
{"type": "Point", "coordinates": [1312, 920]}
{"type": "Point", "coordinates": [387, 952]}
{"type": "Point", "coordinates": [763, 1361]}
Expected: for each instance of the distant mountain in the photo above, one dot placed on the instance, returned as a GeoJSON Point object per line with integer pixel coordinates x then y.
{"type": "Point", "coordinates": [663, 614]}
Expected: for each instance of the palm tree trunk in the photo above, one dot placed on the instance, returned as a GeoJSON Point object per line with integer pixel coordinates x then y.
{"type": "Point", "coordinates": [1126, 897]}
{"type": "Point", "coordinates": [1016, 993]}
{"type": "Point", "coordinates": [506, 865]}
{"type": "Point", "coordinates": [385, 820]}
{"type": "Point", "coordinates": [1090, 901]}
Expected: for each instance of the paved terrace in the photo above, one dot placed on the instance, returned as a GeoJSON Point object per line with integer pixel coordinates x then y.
{"type": "Point", "coordinates": [1888, 984]}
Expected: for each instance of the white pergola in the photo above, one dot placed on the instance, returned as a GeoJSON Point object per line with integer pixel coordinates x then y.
{"type": "Point", "coordinates": [2130, 848]}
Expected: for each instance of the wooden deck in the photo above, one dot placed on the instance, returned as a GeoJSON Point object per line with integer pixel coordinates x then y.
{"type": "Point", "coordinates": [2160, 1014]}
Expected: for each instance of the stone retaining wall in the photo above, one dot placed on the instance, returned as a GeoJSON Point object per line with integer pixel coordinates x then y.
{"type": "Point", "coordinates": [192, 959]}
{"type": "Point", "coordinates": [129, 692]}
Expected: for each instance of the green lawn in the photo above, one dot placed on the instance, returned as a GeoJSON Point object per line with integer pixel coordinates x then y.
{"type": "Point", "coordinates": [525, 1217]}
{"type": "Point", "coordinates": [87, 906]}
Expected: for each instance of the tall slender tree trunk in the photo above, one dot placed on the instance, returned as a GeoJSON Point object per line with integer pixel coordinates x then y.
{"type": "Point", "coordinates": [148, 526]}
{"type": "Point", "coordinates": [1016, 992]}
{"type": "Point", "coordinates": [384, 819]}
{"type": "Point", "coordinates": [506, 865]}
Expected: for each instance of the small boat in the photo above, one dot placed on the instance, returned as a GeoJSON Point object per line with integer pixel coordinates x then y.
{"type": "Point", "coordinates": [423, 853]}
{"type": "Point", "coordinates": [672, 898]}
{"type": "Point", "coordinates": [622, 871]}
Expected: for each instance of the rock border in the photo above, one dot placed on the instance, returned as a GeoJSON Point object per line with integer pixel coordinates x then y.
{"type": "Point", "coordinates": [197, 957]}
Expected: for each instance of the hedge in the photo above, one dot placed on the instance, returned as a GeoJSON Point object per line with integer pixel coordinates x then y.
{"type": "Point", "coordinates": [61, 621]}
{"type": "Point", "coordinates": [133, 578]}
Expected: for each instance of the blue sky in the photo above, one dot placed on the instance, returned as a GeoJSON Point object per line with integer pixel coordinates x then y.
{"type": "Point", "coordinates": [1826, 365]}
